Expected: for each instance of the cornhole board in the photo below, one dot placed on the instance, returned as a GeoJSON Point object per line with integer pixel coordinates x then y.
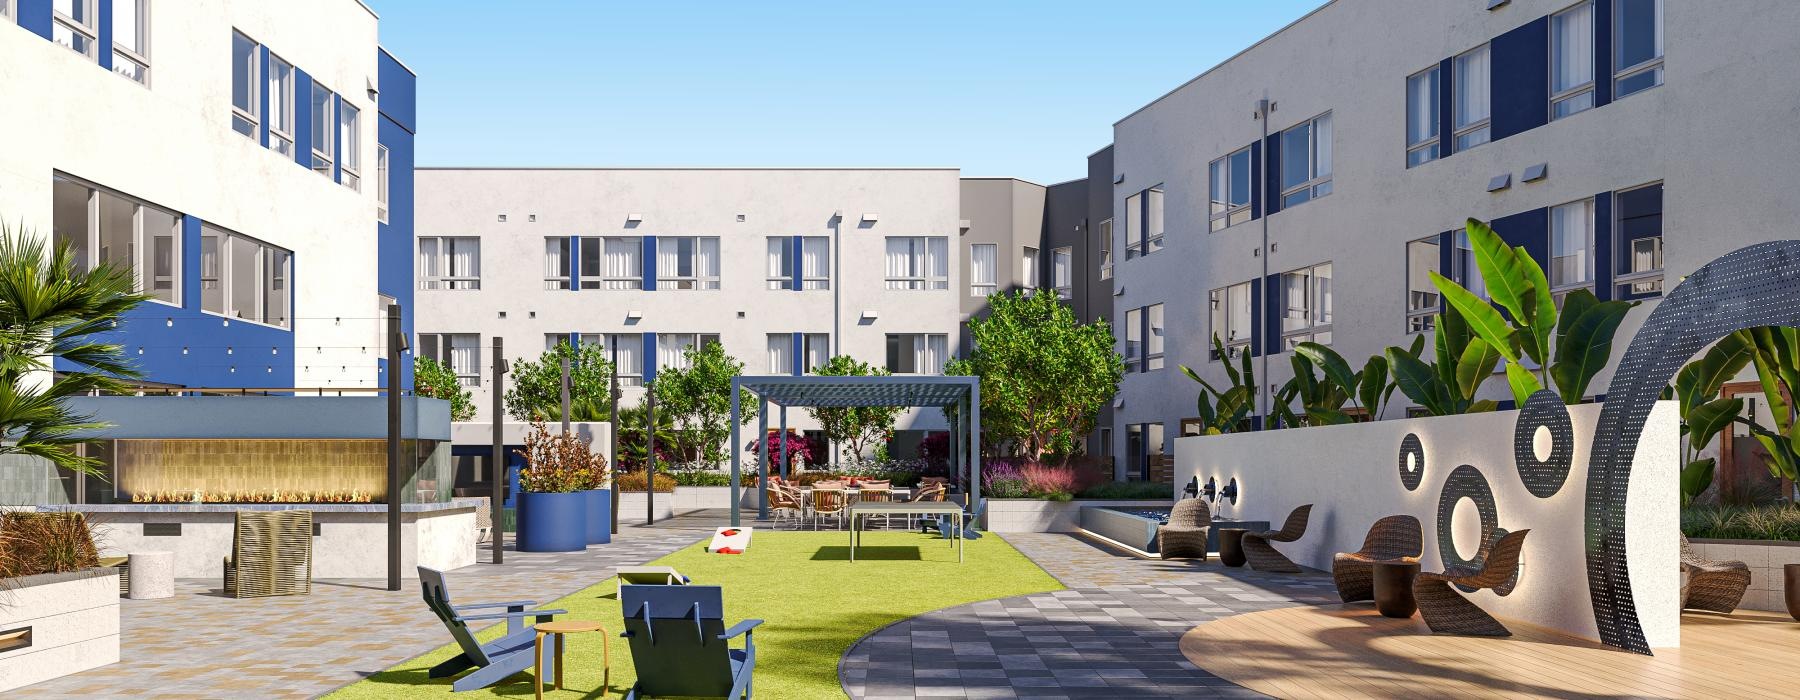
{"type": "Point", "coordinates": [650, 576]}
{"type": "Point", "coordinates": [730, 540]}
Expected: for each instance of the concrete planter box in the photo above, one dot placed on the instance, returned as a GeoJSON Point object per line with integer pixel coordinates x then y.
{"type": "Point", "coordinates": [631, 506]}
{"type": "Point", "coordinates": [1765, 559]}
{"type": "Point", "coordinates": [73, 620]}
{"type": "Point", "coordinates": [1034, 515]}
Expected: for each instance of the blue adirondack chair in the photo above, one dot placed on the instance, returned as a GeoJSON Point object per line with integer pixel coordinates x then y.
{"type": "Point", "coordinates": [679, 643]}
{"type": "Point", "coordinates": [495, 660]}
{"type": "Point", "coordinates": [947, 527]}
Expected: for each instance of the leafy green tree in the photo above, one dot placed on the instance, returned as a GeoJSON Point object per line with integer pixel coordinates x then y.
{"type": "Point", "coordinates": [698, 398]}
{"type": "Point", "coordinates": [854, 428]}
{"type": "Point", "coordinates": [1044, 374]}
{"type": "Point", "coordinates": [432, 379]}
{"type": "Point", "coordinates": [534, 391]}
{"type": "Point", "coordinates": [49, 308]}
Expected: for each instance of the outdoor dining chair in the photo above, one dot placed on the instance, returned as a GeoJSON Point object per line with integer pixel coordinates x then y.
{"type": "Point", "coordinates": [927, 493]}
{"type": "Point", "coordinates": [829, 502]}
{"type": "Point", "coordinates": [781, 503]}
{"type": "Point", "coordinates": [872, 493]}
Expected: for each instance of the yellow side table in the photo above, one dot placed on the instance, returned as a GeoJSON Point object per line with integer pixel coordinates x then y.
{"type": "Point", "coordinates": [559, 629]}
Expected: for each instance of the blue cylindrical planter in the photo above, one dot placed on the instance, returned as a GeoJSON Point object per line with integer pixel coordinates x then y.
{"type": "Point", "coordinates": [599, 516]}
{"type": "Point", "coordinates": [552, 522]}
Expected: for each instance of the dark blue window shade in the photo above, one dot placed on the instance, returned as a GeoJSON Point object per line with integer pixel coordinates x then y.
{"type": "Point", "coordinates": [799, 348]}
{"type": "Point", "coordinates": [104, 33]}
{"type": "Point", "coordinates": [262, 127]}
{"type": "Point", "coordinates": [1271, 311]}
{"type": "Point", "coordinates": [1272, 174]}
{"type": "Point", "coordinates": [649, 256]}
{"type": "Point", "coordinates": [1603, 55]}
{"type": "Point", "coordinates": [1446, 261]}
{"type": "Point", "coordinates": [1602, 253]}
{"type": "Point", "coordinates": [1446, 107]}
{"type": "Point", "coordinates": [1255, 177]}
{"type": "Point", "coordinates": [649, 358]}
{"type": "Point", "coordinates": [1640, 217]}
{"type": "Point", "coordinates": [1530, 229]}
{"type": "Point", "coordinates": [1519, 88]}
{"type": "Point", "coordinates": [1255, 304]}
{"type": "Point", "coordinates": [302, 119]}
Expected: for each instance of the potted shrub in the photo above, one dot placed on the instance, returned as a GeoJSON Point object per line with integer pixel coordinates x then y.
{"type": "Point", "coordinates": [553, 510]}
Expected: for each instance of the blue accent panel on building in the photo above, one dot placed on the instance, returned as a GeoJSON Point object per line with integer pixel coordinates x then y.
{"type": "Point", "coordinates": [337, 141]}
{"type": "Point", "coordinates": [399, 92]}
{"type": "Point", "coordinates": [799, 353]}
{"type": "Point", "coordinates": [34, 16]}
{"type": "Point", "coordinates": [1603, 239]}
{"type": "Point", "coordinates": [394, 239]}
{"type": "Point", "coordinates": [794, 255]}
{"type": "Point", "coordinates": [1530, 229]}
{"type": "Point", "coordinates": [1256, 291]}
{"type": "Point", "coordinates": [1446, 260]}
{"type": "Point", "coordinates": [104, 33]}
{"type": "Point", "coordinates": [1519, 86]}
{"type": "Point", "coordinates": [649, 264]}
{"type": "Point", "coordinates": [575, 243]}
{"type": "Point", "coordinates": [262, 126]}
{"type": "Point", "coordinates": [303, 119]}
{"type": "Point", "coordinates": [1256, 207]}
{"type": "Point", "coordinates": [1446, 107]}
{"type": "Point", "coordinates": [1272, 173]}
{"type": "Point", "coordinates": [1603, 54]}
{"type": "Point", "coordinates": [649, 357]}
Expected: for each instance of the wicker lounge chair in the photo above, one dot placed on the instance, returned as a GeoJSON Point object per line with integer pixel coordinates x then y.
{"type": "Point", "coordinates": [1447, 612]}
{"type": "Point", "coordinates": [271, 554]}
{"type": "Point", "coordinates": [1712, 585]}
{"type": "Point", "coordinates": [1393, 538]}
{"type": "Point", "coordinates": [1185, 535]}
{"type": "Point", "coordinates": [1264, 557]}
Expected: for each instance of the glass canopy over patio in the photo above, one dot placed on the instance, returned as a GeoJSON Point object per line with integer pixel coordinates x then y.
{"type": "Point", "coordinates": [961, 394]}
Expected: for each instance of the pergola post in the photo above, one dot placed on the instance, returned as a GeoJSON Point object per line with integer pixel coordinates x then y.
{"type": "Point", "coordinates": [762, 460]}
{"type": "Point", "coordinates": [784, 455]}
{"type": "Point", "coordinates": [975, 446]}
{"type": "Point", "coordinates": [736, 444]}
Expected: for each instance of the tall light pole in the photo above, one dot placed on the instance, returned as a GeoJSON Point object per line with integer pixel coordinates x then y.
{"type": "Point", "coordinates": [497, 461]}
{"type": "Point", "coordinates": [396, 345]}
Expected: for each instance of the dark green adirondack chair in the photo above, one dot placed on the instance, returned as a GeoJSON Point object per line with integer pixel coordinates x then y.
{"type": "Point", "coordinates": [679, 643]}
{"type": "Point", "coordinates": [495, 660]}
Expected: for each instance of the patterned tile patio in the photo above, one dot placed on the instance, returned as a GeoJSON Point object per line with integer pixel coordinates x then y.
{"type": "Point", "coordinates": [203, 644]}
{"type": "Point", "coordinates": [1115, 633]}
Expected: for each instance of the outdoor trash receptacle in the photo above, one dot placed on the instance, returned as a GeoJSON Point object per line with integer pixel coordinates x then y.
{"type": "Point", "coordinates": [152, 575]}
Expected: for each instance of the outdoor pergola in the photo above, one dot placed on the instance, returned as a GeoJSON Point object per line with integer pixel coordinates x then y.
{"type": "Point", "coordinates": [784, 391]}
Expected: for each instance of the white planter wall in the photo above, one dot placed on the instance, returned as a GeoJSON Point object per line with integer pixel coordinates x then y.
{"type": "Point", "coordinates": [1350, 473]}
{"type": "Point", "coordinates": [1037, 515]}
{"type": "Point", "coordinates": [1765, 560]}
{"type": "Point", "coordinates": [74, 621]}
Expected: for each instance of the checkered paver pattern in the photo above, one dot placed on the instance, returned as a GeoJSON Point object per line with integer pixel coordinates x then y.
{"type": "Point", "coordinates": [1113, 634]}
{"type": "Point", "coordinates": [203, 644]}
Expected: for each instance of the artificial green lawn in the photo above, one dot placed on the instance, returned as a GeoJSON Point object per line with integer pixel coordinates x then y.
{"type": "Point", "coordinates": [813, 601]}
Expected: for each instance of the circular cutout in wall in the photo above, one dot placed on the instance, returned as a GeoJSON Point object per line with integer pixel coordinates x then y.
{"type": "Point", "coordinates": [1544, 444]}
{"type": "Point", "coordinates": [1412, 462]}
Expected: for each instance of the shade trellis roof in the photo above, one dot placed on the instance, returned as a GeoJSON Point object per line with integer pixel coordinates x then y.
{"type": "Point", "coordinates": [843, 392]}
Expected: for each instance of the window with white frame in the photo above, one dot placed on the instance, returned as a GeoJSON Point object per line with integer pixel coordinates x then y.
{"type": "Point", "coordinates": [1637, 46]}
{"type": "Point", "coordinates": [917, 353]}
{"type": "Point", "coordinates": [1106, 241]}
{"type": "Point", "coordinates": [449, 262]}
{"type": "Point", "coordinates": [1473, 104]}
{"type": "Point", "coordinates": [626, 351]}
{"type": "Point", "coordinates": [1422, 301]}
{"type": "Point", "coordinates": [817, 349]}
{"type": "Point", "coordinates": [350, 135]}
{"type": "Point", "coordinates": [103, 226]}
{"type": "Point", "coordinates": [1028, 268]}
{"type": "Point", "coordinates": [556, 262]}
{"type": "Point", "coordinates": [1422, 106]}
{"type": "Point", "coordinates": [281, 106]}
{"type": "Point", "coordinates": [1306, 306]}
{"type": "Point", "coordinates": [918, 262]}
{"type": "Point", "coordinates": [1230, 189]}
{"type": "Point", "coordinates": [613, 262]}
{"type": "Point", "coordinates": [131, 39]}
{"type": "Point", "coordinates": [1134, 340]}
{"type": "Point", "coordinates": [461, 352]}
{"type": "Point", "coordinates": [323, 128]}
{"type": "Point", "coordinates": [1230, 309]}
{"type": "Point", "coordinates": [6, 9]}
{"type": "Point", "coordinates": [687, 262]}
{"type": "Point", "coordinates": [381, 183]}
{"type": "Point", "coordinates": [1062, 270]}
{"type": "Point", "coordinates": [982, 271]}
{"type": "Point", "coordinates": [781, 353]}
{"type": "Point", "coordinates": [815, 262]}
{"type": "Point", "coordinates": [74, 25]}
{"type": "Point", "coordinates": [246, 103]}
{"type": "Point", "coordinates": [672, 348]}
{"type": "Point", "coordinates": [552, 340]}
{"type": "Point", "coordinates": [1306, 161]}
{"type": "Point", "coordinates": [1571, 248]}
{"type": "Point", "coordinates": [781, 262]}
{"type": "Point", "coordinates": [1572, 60]}
{"type": "Point", "coordinates": [244, 278]}
{"type": "Point", "coordinates": [1640, 241]}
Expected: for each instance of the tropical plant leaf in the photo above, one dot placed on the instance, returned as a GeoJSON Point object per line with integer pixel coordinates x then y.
{"type": "Point", "coordinates": [1584, 349]}
{"type": "Point", "coordinates": [1373, 381]}
{"type": "Point", "coordinates": [1336, 369]}
{"type": "Point", "coordinates": [1709, 418]}
{"type": "Point", "coordinates": [1781, 454]}
{"type": "Point", "coordinates": [1523, 383]}
{"type": "Point", "coordinates": [1474, 367]}
{"type": "Point", "coordinates": [1481, 316]}
{"type": "Point", "coordinates": [1500, 269]}
{"type": "Point", "coordinates": [1483, 406]}
{"type": "Point", "coordinates": [1696, 477]}
{"type": "Point", "coordinates": [1702, 379]}
{"type": "Point", "coordinates": [1539, 321]}
{"type": "Point", "coordinates": [1191, 374]}
{"type": "Point", "coordinates": [1418, 382]}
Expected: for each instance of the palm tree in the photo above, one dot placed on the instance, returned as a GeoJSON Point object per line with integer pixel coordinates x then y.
{"type": "Point", "coordinates": [49, 308]}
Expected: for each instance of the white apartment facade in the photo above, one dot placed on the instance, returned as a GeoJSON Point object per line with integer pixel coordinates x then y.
{"type": "Point", "coordinates": [1623, 142]}
{"type": "Point", "coordinates": [236, 154]}
{"type": "Point", "coordinates": [784, 267]}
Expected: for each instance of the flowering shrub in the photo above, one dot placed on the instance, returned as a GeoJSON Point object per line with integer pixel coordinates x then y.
{"type": "Point", "coordinates": [798, 447]}
{"type": "Point", "coordinates": [1053, 483]}
{"type": "Point", "coordinates": [1029, 479]}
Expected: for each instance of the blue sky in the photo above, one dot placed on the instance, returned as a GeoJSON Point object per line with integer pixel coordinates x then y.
{"type": "Point", "coordinates": [1022, 89]}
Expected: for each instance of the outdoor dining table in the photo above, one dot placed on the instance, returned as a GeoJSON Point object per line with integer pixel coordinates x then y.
{"type": "Point", "coordinates": [926, 508]}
